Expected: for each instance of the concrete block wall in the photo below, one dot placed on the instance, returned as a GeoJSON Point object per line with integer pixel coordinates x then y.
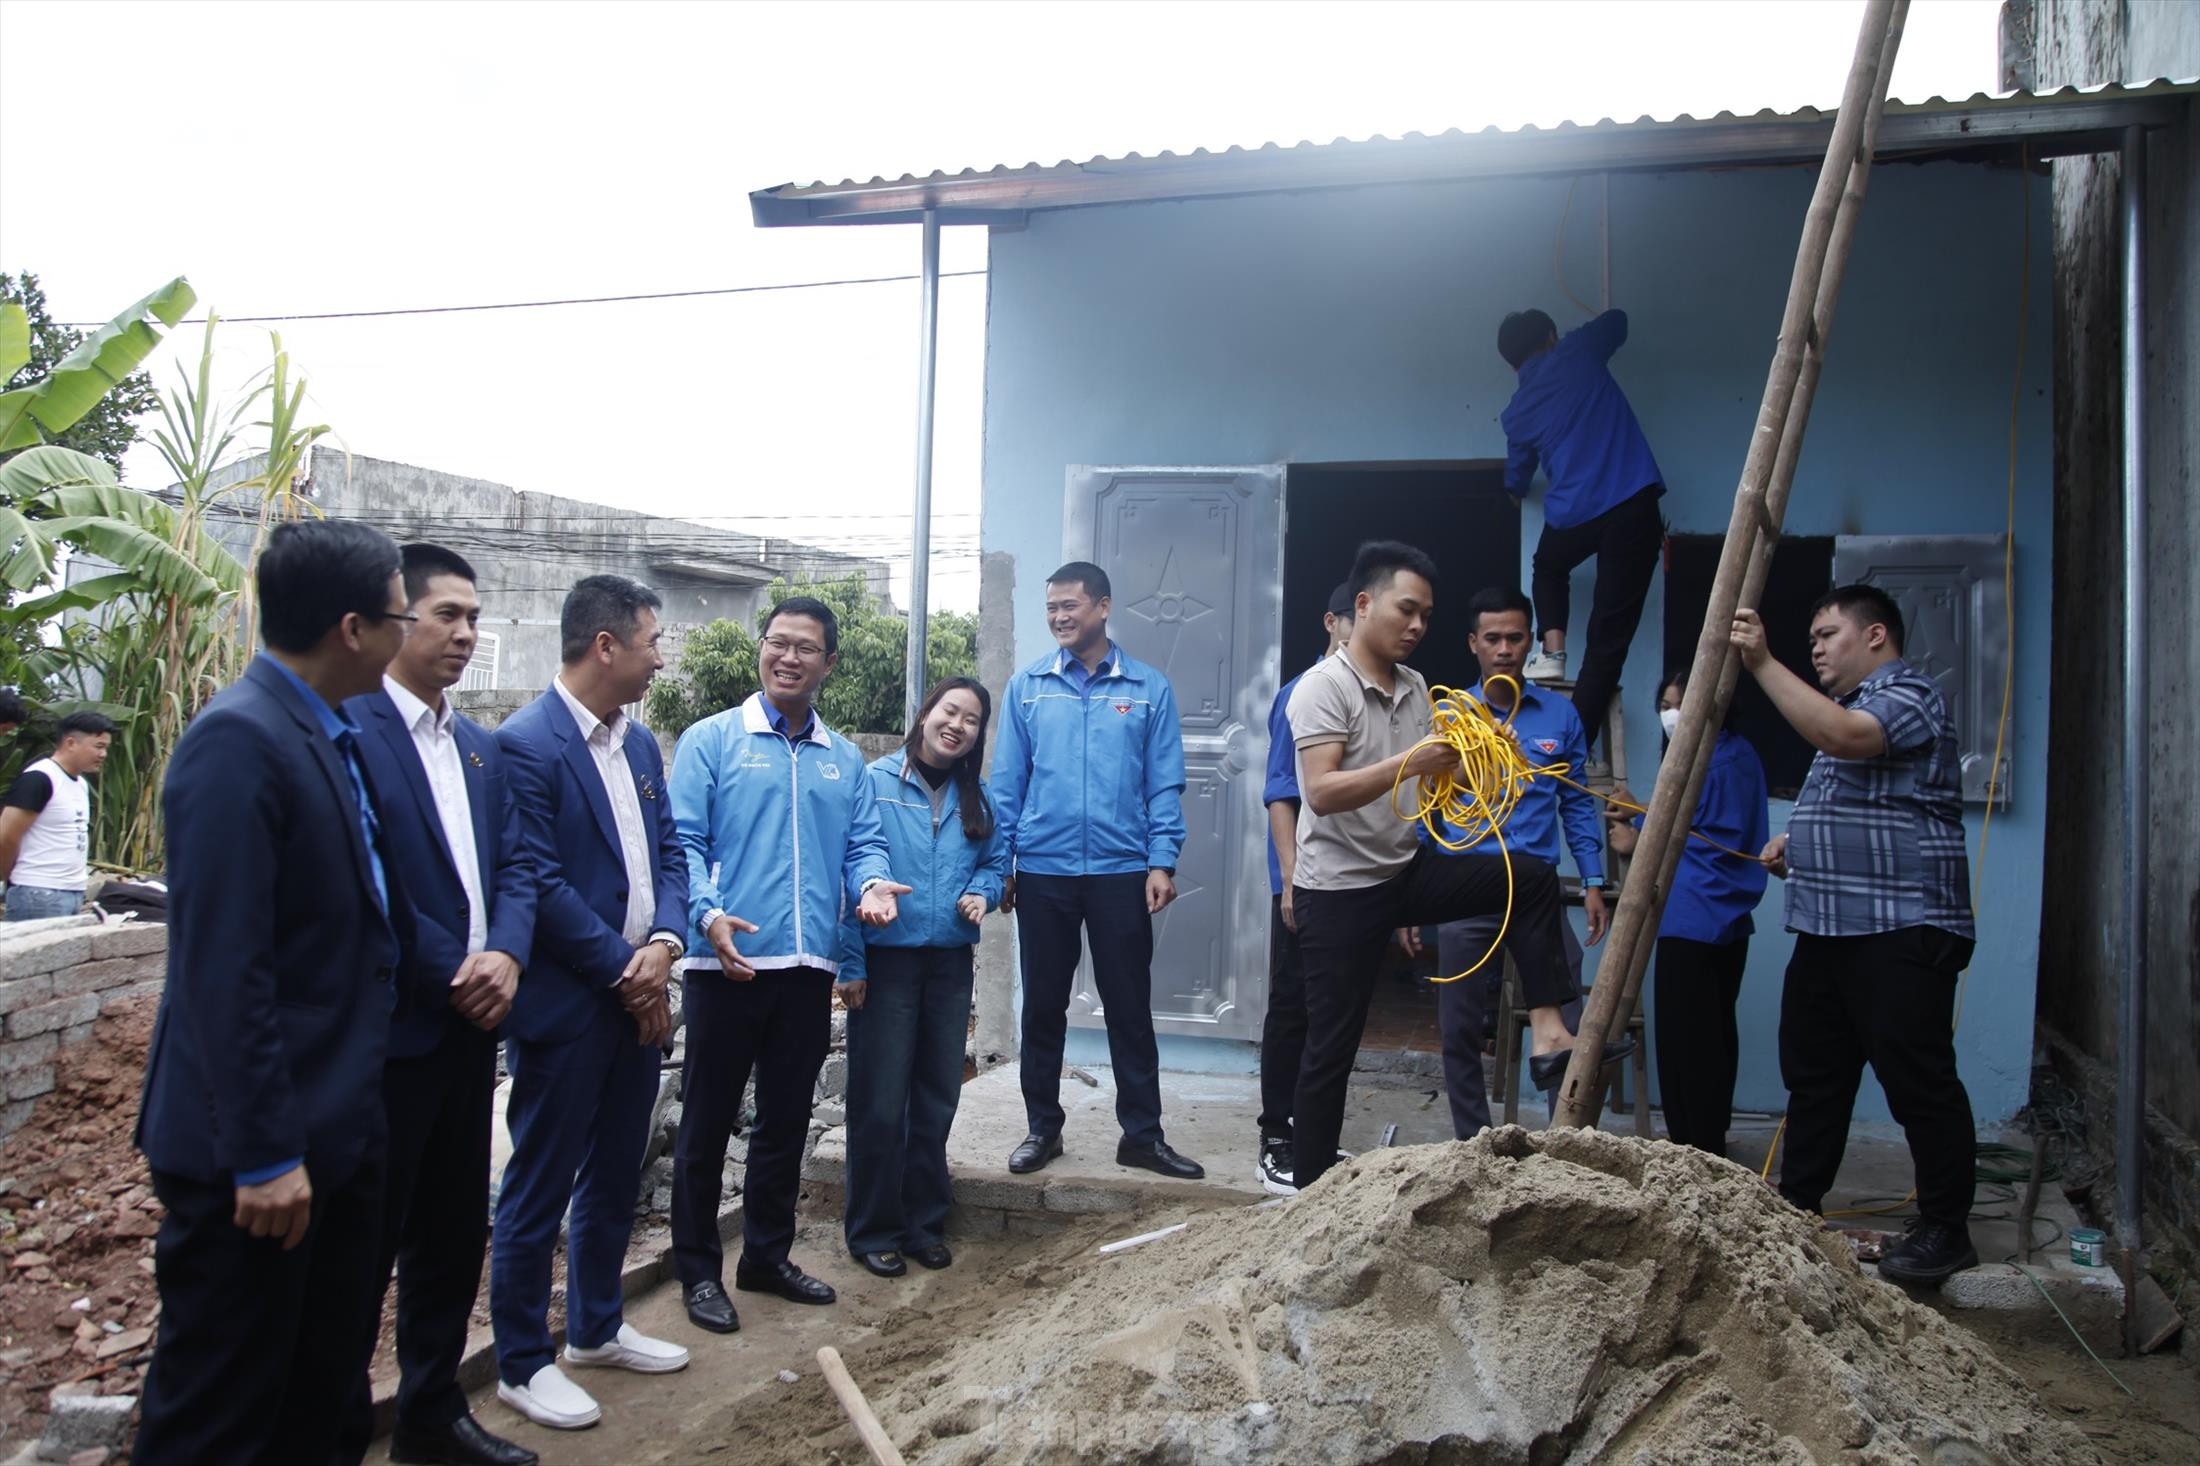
{"type": "Point", "coordinates": [55, 979]}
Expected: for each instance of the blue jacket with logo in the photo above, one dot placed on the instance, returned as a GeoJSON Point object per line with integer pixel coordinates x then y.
{"type": "Point", "coordinates": [1089, 780]}
{"type": "Point", "coordinates": [781, 831]}
{"type": "Point", "coordinates": [940, 865]}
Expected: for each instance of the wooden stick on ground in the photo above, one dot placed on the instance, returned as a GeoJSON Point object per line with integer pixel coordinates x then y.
{"type": "Point", "coordinates": [875, 1438]}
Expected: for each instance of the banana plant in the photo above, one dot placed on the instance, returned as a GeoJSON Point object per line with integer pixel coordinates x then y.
{"type": "Point", "coordinates": [55, 402]}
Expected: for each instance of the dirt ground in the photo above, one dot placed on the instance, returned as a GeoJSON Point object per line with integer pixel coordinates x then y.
{"type": "Point", "coordinates": [77, 1219]}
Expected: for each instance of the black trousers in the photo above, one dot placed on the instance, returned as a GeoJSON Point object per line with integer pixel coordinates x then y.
{"type": "Point", "coordinates": [1626, 540]}
{"type": "Point", "coordinates": [780, 1024]}
{"type": "Point", "coordinates": [1699, 1049]}
{"type": "Point", "coordinates": [260, 1350]}
{"type": "Point", "coordinates": [1283, 1031]}
{"type": "Point", "coordinates": [1110, 911]}
{"type": "Point", "coordinates": [1342, 935]}
{"type": "Point", "coordinates": [1463, 1008]}
{"type": "Point", "coordinates": [1887, 1000]}
{"type": "Point", "coordinates": [435, 1225]}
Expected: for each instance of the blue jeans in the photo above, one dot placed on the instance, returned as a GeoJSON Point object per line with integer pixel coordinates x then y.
{"type": "Point", "coordinates": [36, 903]}
{"type": "Point", "coordinates": [905, 1070]}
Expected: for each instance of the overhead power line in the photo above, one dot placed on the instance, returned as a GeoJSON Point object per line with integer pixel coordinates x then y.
{"type": "Point", "coordinates": [522, 305]}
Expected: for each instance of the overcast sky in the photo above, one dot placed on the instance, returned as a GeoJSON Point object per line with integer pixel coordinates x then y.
{"type": "Point", "coordinates": [332, 157]}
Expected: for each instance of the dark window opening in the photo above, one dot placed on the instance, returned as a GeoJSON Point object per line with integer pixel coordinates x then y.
{"type": "Point", "coordinates": [1459, 513]}
{"type": "Point", "coordinates": [1802, 571]}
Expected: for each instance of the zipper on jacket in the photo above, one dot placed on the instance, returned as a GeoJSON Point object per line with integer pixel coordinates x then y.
{"type": "Point", "coordinates": [794, 798]}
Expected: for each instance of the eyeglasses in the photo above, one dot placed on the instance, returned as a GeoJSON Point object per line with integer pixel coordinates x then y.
{"type": "Point", "coordinates": [405, 616]}
{"type": "Point", "coordinates": [779, 646]}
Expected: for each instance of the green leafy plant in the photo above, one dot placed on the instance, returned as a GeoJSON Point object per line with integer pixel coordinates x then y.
{"type": "Point", "coordinates": [865, 692]}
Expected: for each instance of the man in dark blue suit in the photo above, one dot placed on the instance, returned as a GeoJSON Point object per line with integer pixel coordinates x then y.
{"type": "Point", "coordinates": [453, 829]}
{"type": "Point", "coordinates": [584, 1036]}
{"type": "Point", "coordinates": [262, 1116]}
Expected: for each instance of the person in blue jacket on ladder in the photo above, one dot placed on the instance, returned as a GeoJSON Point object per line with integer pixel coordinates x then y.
{"type": "Point", "coordinates": [908, 986]}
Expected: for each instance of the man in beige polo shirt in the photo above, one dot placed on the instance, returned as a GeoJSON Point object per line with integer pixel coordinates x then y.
{"type": "Point", "coordinates": [1362, 872]}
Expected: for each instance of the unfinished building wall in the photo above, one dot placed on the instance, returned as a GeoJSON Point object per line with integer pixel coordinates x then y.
{"type": "Point", "coordinates": [2082, 943]}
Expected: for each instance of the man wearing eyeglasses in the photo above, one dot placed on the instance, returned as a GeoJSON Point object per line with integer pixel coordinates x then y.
{"type": "Point", "coordinates": [782, 834]}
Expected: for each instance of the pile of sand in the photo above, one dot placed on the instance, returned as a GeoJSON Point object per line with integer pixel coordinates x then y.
{"type": "Point", "coordinates": [1521, 1297]}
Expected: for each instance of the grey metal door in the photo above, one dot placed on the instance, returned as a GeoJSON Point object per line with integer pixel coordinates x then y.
{"type": "Point", "coordinates": [1195, 556]}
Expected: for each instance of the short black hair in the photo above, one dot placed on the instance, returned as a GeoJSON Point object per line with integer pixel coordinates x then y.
{"type": "Point", "coordinates": [1865, 605]}
{"type": "Point", "coordinates": [12, 709]}
{"type": "Point", "coordinates": [601, 603]}
{"type": "Point", "coordinates": [1379, 562]}
{"type": "Point", "coordinates": [1086, 574]}
{"type": "Point", "coordinates": [315, 572]}
{"type": "Point", "coordinates": [1522, 334]}
{"type": "Point", "coordinates": [87, 722]}
{"type": "Point", "coordinates": [423, 562]}
{"type": "Point", "coordinates": [811, 607]}
{"type": "Point", "coordinates": [1496, 600]}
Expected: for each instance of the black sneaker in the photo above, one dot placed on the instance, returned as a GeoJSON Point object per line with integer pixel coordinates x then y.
{"type": "Point", "coordinates": [1275, 1166]}
{"type": "Point", "coordinates": [1929, 1254]}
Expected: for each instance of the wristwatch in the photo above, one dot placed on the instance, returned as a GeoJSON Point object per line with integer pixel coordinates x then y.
{"type": "Point", "coordinates": [670, 943]}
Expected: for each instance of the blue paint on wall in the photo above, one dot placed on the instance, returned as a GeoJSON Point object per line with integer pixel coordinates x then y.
{"type": "Point", "coordinates": [1360, 326]}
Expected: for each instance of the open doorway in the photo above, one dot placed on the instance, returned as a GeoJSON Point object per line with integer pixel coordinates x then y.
{"type": "Point", "coordinates": [1461, 515]}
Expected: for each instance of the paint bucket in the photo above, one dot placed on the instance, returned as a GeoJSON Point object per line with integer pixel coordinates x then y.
{"type": "Point", "coordinates": [2088, 1246]}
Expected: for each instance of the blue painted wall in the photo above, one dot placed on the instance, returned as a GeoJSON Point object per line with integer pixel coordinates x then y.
{"type": "Point", "coordinates": [1355, 326]}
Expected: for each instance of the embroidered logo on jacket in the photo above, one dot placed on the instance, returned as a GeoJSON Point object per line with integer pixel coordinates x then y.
{"type": "Point", "coordinates": [1548, 745]}
{"type": "Point", "coordinates": [1122, 707]}
{"type": "Point", "coordinates": [831, 771]}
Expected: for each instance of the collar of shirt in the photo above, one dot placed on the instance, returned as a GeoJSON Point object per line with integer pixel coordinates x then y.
{"type": "Point", "coordinates": [1527, 696]}
{"type": "Point", "coordinates": [335, 723]}
{"type": "Point", "coordinates": [1877, 675]}
{"type": "Point", "coordinates": [587, 721]}
{"type": "Point", "coordinates": [780, 725]}
{"type": "Point", "coordinates": [759, 716]}
{"type": "Point", "coordinates": [1067, 666]}
{"type": "Point", "coordinates": [411, 710]}
{"type": "Point", "coordinates": [1402, 679]}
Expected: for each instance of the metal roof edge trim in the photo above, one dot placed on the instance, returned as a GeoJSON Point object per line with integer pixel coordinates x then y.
{"type": "Point", "coordinates": [2084, 116]}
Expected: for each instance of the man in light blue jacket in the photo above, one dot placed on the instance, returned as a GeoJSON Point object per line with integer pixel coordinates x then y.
{"type": "Point", "coordinates": [782, 834]}
{"type": "Point", "coordinates": [1088, 781]}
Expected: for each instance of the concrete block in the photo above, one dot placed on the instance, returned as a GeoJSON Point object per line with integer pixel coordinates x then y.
{"type": "Point", "coordinates": [832, 1080]}
{"type": "Point", "coordinates": [1035, 1224]}
{"type": "Point", "coordinates": [129, 939]}
{"type": "Point", "coordinates": [21, 992]}
{"type": "Point", "coordinates": [998, 1192]}
{"type": "Point", "coordinates": [43, 950]}
{"type": "Point", "coordinates": [13, 1114]}
{"type": "Point", "coordinates": [1077, 1199]}
{"type": "Point", "coordinates": [27, 1053]}
{"type": "Point", "coordinates": [84, 1423]}
{"type": "Point", "coordinates": [28, 1083]}
{"type": "Point", "coordinates": [135, 990]}
{"type": "Point", "coordinates": [2092, 1297]}
{"type": "Point", "coordinates": [828, 1159]}
{"type": "Point", "coordinates": [976, 1221]}
{"type": "Point", "coordinates": [50, 1017]}
{"type": "Point", "coordinates": [112, 972]}
{"type": "Point", "coordinates": [76, 1034]}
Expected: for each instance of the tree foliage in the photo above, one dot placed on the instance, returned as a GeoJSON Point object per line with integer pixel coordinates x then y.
{"type": "Point", "coordinates": [864, 692]}
{"type": "Point", "coordinates": [108, 430]}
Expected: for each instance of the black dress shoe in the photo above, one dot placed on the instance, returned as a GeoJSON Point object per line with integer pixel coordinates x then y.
{"type": "Point", "coordinates": [934, 1257]}
{"type": "Point", "coordinates": [1545, 1071]}
{"type": "Point", "coordinates": [710, 1308]}
{"type": "Point", "coordinates": [880, 1264]}
{"type": "Point", "coordinates": [1158, 1158]}
{"type": "Point", "coordinates": [1929, 1254]}
{"type": "Point", "coordinates": [784, 1279]}
{"type": "Point", "coordinates": [461, 1443]}
{"type": "Point", "coordinates": [1034, 1153]}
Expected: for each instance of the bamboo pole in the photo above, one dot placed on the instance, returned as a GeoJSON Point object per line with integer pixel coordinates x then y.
{"type": "Point", "coordinates": [1760, 504]}
{"type": "Point", "coordinates": [874, 1436]}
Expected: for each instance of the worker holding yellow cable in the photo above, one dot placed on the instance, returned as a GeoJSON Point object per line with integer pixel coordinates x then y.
{"type": "Point", "coordinates": [1548, 813]}
{"type": "Point", "coordinates": [1361, 721]}
{"type": "Point", "coordinates": [1879, 900]}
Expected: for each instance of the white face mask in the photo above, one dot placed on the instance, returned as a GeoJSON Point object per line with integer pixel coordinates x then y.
{"type": "Point", "coordinates": [1669, 719]}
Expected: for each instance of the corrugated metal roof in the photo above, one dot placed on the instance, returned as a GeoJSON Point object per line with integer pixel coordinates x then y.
{"type": "Point", "coordinates": [2050, 124]}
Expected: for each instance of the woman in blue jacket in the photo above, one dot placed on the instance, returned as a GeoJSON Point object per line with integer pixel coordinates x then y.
{"type": "Point", "coordinates": [908, 986]}
{"type": "Point", "coordinates": [1703, 937]}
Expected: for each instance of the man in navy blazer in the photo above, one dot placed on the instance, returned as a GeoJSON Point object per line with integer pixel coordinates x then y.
{"type": "Point", "coordinates": [262, 1115]}
{"type": "Point", "coordinates": [584, 1035]}
{"type": "Point", "coordinates": [452, 825]}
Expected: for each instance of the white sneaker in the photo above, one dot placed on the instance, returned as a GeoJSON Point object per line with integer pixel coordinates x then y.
{"type": "Point", "coordinates": [1274, 1169]}
{"type": "Point", "coordinates": [631, 1349]}
{"type": "Point", "coordinates": [1545, 667]}
{"type": "Point", "coordinates": [551, 1399]}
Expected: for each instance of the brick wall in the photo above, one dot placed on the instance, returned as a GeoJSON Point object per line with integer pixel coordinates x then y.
{"type": "Point", "coordinates": [55, 977]}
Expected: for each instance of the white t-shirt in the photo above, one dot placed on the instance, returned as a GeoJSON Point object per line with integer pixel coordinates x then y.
{"type": "Point", "coordinates": [55, 846]}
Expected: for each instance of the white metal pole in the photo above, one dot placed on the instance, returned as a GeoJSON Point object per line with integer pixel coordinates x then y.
{"type": "Point", "coordinates": [920, 540]}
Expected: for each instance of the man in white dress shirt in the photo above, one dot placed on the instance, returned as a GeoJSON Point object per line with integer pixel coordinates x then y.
{"type": "Point", "coordinates": [453, 829]}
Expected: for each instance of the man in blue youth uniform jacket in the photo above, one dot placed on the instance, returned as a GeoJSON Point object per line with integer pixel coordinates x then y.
{"type": "Point", "coordinates": [1548, 816]}
{"type": "Point", "coordinates": [1088, 781]}
{"type": "Point", "coordinates": [781, 830]}
{"type": "Point", "coordinates": [1570, 415]}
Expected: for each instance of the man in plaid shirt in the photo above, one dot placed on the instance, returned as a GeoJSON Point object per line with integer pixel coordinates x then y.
{"type": "Point", "coordinates": [1879, 900]}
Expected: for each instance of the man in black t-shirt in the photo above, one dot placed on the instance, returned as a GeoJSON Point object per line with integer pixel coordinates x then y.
{"type": "Point", "coordinates": [45, 822]}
